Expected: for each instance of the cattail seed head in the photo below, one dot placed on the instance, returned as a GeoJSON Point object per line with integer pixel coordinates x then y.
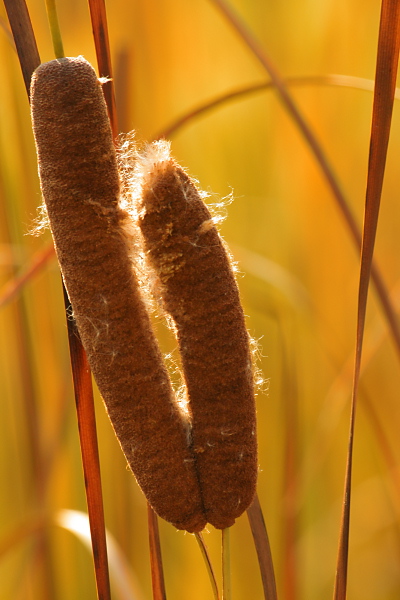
{"type": "Point", "coordinates": [200, 293]}
{"type": "Point", "coordinates": [80, 186]}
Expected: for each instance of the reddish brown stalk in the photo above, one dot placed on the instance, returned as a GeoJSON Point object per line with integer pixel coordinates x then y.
{"type": "Point", "coordinates": [98, 17]}
{"type": "Point", "coordinates": [200, 293]}
{"type": "Point", "coordinates": [261, 542]}
{"type": "Point", "coordinates": [90, 455]}
{"type": "Point", "coordinates": [385, 85]}
{"type": "Point", "coordinates": [157, 574]}
{"type": "Point", "coordinates": [24, 38]}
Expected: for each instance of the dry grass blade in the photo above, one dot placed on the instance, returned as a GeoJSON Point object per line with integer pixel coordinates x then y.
{"type": "Point", "coordinates": [24, 38]}
{"type": "Point", "coordinates": [207, 560]}
{"type": "Point", "coordinates": [385, 83]}
{"type": "Point", "coordinates": [100, 34]}
{"type": "Point", "coordinates": [90, 455]}
{"type": "Point", "coordinates": [14, 285]}
{"type": "Point", "coordinates": [261, 542]}
{"type": "Point", "coordinates": [31, 526]}
{"type": "Point", "coordinates": [358, 83]}
{"type": "Point", "coordinates": [124, 581]}
{"type": "Point", "coordinates": [157, 574]}
{"type": "Point", "coordinates": [318, 152]}
{"type": "Point", "coordinates": [5, 28]}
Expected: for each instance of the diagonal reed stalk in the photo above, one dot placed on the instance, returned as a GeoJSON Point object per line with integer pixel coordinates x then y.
{"type": "Point", "coordinates": [357, 83]}
{"type": "Point", "coordinates": [90, 454]}
{"type": "Point", "coordinates": [252, 43]}
{"type": "Point", "coordinates": [261, 542]}
{"type": "Point", "coordinates": [385, 84]}
{"type": "Point", "coordinates": [207, 561]}
{"type": "Point", "coordinates": [24, 38]}
{"type": "Point", "coordinates": [14, 285]}
{"type": "Point", "coordinates": [100, 34]}
{"type": "Point", "coordinates": [157, 574]}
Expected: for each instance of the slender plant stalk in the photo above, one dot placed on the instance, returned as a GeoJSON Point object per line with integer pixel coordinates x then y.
{"type": "Point", "coordinates": [15, 284]}
{"type": "Point", "coordinates": [54, 28]}
{"type": "Point", "coordinates": [261, 542]}
{"type": "Point", "coordinates": [157, 573]}
{"type": "Point", "coordinates": [207, 562]}
{"type": "Point", "coordinates": [327, 170]}
{"type": "Point", "coordinates": [90, 454]}
{"type": "Point", "coordinates": [98, 17]}
{"type": "Point", "coordinates": [30, 526]}
{"type": "Point", "coordinates": [357, 83]}
{"type": "Point", "coordinates": [226, 565]}
{"type": "Point", "coordinates": [24, 38]}
{"type": "Point", "coordinates": [385, 85]}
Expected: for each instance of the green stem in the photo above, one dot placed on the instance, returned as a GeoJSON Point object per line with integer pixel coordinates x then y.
{"type": "Point", "coordinates": [208, 564]}
{"type": "Point", "coordinates": [55, 28]}
{"type": "Point", "coordinates": [226, 565]}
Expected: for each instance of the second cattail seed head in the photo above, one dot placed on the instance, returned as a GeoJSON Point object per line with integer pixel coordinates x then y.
{"type": "Point", "coordinates": [200, 294]}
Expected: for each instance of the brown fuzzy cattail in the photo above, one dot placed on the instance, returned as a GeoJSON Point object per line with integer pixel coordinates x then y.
{"type": "Point", "coordinates": [199, 291]}
{"type": "Point", "coordinates": [80, 186]}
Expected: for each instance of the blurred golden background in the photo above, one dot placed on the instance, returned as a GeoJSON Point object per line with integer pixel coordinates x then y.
{"type": "Point", "coordinates": [298, 279]}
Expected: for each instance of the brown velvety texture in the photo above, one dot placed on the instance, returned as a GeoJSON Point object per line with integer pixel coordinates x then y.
{"type": "Point", "coordinates": [80, 185]}
{"type": "Point", "coordinates": [199, 291]}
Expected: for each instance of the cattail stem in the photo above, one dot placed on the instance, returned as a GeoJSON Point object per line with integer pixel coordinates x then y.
{"type": "Point", "coordinates": [55, 28]}
{"type": "Point", "coordinates": [90, 455]}
{"type": "Point", "coordinates": [157, 572]}
{"type": "Point", "coordinates": [207, 562]}
{"type": "Point", "coordinates": [226, 564]}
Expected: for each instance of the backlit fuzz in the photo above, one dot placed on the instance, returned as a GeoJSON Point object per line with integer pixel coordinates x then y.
{"type": "Point", "coordinates": [81, 189]}
{"type": "Point", "coordinates": [200, 293]}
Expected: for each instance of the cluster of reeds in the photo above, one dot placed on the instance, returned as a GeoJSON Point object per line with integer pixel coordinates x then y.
{"type": "Point", "coordinates": [193, 450]}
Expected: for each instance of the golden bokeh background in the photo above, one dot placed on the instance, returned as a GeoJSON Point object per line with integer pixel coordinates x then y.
{"type": "Point", "coordinates": [298, 278]}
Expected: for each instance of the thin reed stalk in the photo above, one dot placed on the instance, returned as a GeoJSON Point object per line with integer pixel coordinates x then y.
{"type": "Point", "coordinates": [226, 564]}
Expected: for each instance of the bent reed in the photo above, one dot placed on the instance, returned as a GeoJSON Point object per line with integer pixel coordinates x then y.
{"type": "Point", "coordinates": [193, 468]}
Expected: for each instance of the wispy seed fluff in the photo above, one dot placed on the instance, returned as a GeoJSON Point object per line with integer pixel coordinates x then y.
{"type": "Point", "coordinates": [81, 189]}
{"type": "Point", "coordinates": [200, 294]}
